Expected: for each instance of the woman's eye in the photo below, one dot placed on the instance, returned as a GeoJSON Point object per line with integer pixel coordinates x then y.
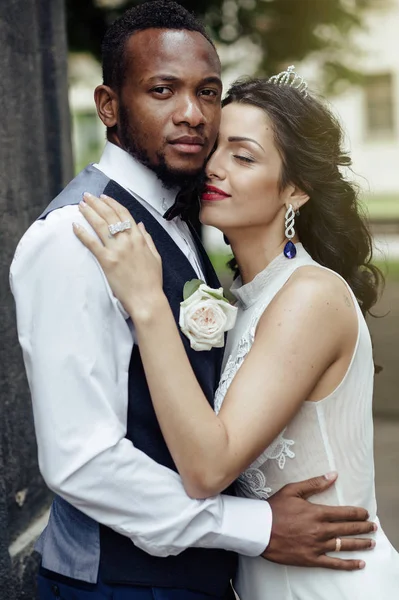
{"type": "Point", "coordinates": [245, 159]}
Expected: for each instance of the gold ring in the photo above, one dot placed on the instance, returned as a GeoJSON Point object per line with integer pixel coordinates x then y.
{"type": "Point", "coordinates": [338, 544]}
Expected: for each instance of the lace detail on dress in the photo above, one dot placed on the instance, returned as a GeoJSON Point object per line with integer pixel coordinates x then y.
{"type": "Point", "coordinates": [252, 482]}
{"type": "Point", "coordinates": [279, 450]}
{"type": "Point", "coordinates": [235, 361]}
{"type": "Point", "coordinates": [231, 368]}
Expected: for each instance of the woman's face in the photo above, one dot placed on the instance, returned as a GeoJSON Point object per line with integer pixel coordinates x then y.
{"type": "Point", "coordinates": [244, 172]}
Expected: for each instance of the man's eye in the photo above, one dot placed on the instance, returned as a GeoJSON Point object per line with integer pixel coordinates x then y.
{"type": "Point", "coordinates": [210, 93]}
{"type": "Point", "coordinates": [161, 89]}
{"type": "Point", "coordinates": [245, 159]}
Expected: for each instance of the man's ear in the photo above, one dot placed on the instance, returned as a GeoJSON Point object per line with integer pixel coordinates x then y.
{"type": "Point", "coordinates": [107, 104]}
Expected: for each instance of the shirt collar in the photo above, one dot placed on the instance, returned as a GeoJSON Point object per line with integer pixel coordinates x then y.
{"type": "Point", "coordinates": [120, 166]}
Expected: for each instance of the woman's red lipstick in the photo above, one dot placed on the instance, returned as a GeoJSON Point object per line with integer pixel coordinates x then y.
{"type": "Point", "coordinates": [212, 193]}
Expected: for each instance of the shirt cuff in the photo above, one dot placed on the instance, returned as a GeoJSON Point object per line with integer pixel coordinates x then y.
{"type": "Point", "coordinates": [246, 526]}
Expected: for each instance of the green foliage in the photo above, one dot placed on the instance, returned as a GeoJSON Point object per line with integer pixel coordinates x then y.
{"type": "Point", "coordinates": [285, 30]}
{"type": "Point", "coordinates": [219, 261]}
{"type": "Point", "coordinates": [382, 206]}
{"type": "Point", "coordinates": [389, 268]}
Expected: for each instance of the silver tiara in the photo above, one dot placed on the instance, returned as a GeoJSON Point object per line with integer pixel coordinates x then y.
{"type": "Point", "coordinates": [289, 77]}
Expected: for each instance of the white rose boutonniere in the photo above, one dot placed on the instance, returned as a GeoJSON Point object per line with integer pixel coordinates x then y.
{"type": "Point", "coordinates": [205, 315]}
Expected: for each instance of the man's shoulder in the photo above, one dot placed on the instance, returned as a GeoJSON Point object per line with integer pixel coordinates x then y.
{"type": "Point", "coordinates": [90, 180]}
{"type": "Point", "coordinates": [54, 223]}
{"type": "Point", "coordinates": [50, 256]}
{"type": "Point", "coordinates": [52, 235]}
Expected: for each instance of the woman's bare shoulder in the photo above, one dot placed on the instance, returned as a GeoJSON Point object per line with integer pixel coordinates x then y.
{"type": "Point", "coordinates": [321, 284]}
{"type": "Point", "coordinates": [312, 299]}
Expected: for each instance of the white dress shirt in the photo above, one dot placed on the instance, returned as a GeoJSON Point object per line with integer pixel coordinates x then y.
{"type": "Point", "coordinates": [77, 345]}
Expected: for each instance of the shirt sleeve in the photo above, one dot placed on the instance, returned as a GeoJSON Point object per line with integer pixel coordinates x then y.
{"type": "Point", "coordinates": [76, 344]}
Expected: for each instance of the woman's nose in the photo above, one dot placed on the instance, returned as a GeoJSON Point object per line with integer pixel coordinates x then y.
{"type": "Point", "coordinates": [214, 168]}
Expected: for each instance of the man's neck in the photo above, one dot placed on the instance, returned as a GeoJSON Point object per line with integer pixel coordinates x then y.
{"type": "Point", "coordinates": [135, 177]}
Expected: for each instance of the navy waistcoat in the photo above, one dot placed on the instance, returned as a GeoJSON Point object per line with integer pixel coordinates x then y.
{"type": "Point", "coordinates": [205, 570]}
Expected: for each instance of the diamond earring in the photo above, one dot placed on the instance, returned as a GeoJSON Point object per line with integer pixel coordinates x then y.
{"type": "Point", "coordinates": [289, 249]}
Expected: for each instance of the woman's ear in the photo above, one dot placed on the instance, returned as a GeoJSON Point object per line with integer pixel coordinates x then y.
{"type": "Point", "coordinates": [297, 198]}
{"type": "Point", "coordinates": [107, 104]}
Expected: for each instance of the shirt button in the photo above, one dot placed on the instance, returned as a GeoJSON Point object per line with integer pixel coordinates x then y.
{"type": "Point", "coordinates": [56, 591]}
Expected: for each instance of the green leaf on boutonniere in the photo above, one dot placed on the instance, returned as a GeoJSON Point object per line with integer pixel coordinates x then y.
{"type": "Point", "coordinates": [191, 287]}
{"type": "Point", "coordinates": [217, 296]}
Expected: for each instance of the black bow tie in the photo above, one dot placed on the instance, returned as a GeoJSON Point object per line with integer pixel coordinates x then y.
{"type": "Point", "coordinates": [186, 202]}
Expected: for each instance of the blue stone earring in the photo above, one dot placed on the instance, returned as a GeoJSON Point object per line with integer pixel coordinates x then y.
{"type": "Point", "coordinates": [289, 249]}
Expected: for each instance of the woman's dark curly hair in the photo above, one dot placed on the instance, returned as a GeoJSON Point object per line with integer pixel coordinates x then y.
{"type": "Point", "coordinates": [309, 140]}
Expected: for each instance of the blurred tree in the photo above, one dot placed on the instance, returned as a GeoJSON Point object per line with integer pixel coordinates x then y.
{"type": "Point", "coordinates": [285, 30]}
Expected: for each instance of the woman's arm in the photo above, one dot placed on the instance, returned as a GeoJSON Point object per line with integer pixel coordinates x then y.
{"type": "Point", "coordinates": [298, 337]}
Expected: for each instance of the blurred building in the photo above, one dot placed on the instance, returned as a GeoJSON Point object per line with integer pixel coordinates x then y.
{"type": "Point", "coordinates": [370, 112]}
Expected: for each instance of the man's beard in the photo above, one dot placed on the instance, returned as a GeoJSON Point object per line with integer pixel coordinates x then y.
{"type": "Point", "coordinates": [171, 178]}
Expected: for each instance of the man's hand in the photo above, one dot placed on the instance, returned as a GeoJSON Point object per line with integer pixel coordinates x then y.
{"type": "Point", "coordinates": [303, 532]}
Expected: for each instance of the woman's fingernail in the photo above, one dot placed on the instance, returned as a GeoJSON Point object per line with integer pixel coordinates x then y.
{"type": "Point", "coordinates": [88, 195]}
{"type": "Point", "coordinates": [372, 544]}
{"type": "Point", "coordinates": [83, 204]}
{"type": "Point", "coordinates": [375, 527]}
{"type": "Point", "coordinates": [104, 196]}
{"type": "Point", "coordinates": [330, 476]}
{"type": "Point", "coordinates": [362, 564]}
{"type": "Point", "coordinates": [76, 226]}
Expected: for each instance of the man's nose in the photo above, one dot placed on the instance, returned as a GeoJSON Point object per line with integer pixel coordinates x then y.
{"type": "Point", "coordinates": [189, 111]}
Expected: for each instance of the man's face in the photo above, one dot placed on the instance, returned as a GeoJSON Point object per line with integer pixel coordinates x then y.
{"type": "Point", "coordinates": [169, 104]}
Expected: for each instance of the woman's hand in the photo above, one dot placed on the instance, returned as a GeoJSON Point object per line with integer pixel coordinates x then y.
{"type": "Point", "coordinates": [129, 258]}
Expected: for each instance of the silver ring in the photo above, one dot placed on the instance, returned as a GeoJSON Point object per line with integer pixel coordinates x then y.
{"type": "Point", "coordinates": [338, 544]}
{"type": "Point", "coordinates": [118, 227]}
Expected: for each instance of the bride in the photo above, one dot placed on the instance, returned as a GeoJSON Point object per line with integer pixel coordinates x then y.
{"type": "Point", "coordinates": [295, 397]}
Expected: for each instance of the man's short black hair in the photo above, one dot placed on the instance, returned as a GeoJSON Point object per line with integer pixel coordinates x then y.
{"type": "Point", "coordinates": [156, 14]}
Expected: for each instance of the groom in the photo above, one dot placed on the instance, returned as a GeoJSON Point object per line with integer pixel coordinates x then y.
{"type": "Point", "coordinates": [121, 525]}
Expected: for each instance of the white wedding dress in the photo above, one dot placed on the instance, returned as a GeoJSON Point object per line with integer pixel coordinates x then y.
{"type": "Point", "coordinates": [334, 434]}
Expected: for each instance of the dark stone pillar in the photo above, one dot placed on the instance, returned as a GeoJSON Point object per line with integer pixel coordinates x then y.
{"type": "Point", "coordinates": [35, 163]}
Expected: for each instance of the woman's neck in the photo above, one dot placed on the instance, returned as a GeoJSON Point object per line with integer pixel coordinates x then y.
{"type": "Point", "coordinates": [254, 251]}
